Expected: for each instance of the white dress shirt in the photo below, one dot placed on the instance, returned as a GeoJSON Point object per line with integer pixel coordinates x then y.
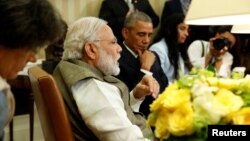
{"type": "Point", "coordinates": [102, 109]}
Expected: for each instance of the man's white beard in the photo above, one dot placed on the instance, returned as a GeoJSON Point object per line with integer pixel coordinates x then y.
{"type": "Point", "coordinates": [107, 65]}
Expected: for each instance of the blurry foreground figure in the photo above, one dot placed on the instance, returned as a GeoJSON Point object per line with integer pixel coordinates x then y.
{"type": "Point", "coordinates": [25, 27]}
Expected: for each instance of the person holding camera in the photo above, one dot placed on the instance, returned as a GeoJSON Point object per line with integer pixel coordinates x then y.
{"type": "Point", "coordinates": [214, 54]}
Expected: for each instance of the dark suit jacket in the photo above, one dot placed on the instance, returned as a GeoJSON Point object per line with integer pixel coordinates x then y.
{"type": "Point", "coordinates": [114, 12]}
{"type": "Point", "coordinates": [170, 7]}
{"type": "Point", "coordinates": [130, 74]}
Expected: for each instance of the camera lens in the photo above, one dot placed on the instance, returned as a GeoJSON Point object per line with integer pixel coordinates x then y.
{"type": "Point", "coordinates": [220, 43]}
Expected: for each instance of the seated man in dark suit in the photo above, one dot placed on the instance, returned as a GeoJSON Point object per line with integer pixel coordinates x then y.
{"type": "Point", "coordinates": [136, 60]}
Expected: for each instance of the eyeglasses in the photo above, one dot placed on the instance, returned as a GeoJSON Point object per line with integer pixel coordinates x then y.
{"type": "Point", "coordinates": [114, 41]}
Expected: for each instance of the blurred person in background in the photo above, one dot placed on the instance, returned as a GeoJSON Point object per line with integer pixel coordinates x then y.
{"type": "Point", "coordinates": [170, 45]}
{"type": "Point", "coordinates": [214, 54]}
{"type": "Point", "coordinates": [54, 52]}
{"type": "Point", "coordinates": [175, 6]}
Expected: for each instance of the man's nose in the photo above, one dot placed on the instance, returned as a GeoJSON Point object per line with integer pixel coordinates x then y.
{"type": "Point", "coordinates": [147, 39]}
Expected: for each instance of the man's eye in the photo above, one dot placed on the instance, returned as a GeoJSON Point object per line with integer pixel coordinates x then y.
{"type": "Point", "coordinates": [113, 42]}
{"type": "Point", "coordinates": [141, 34]}
{"type": "Point", "coordinates": [182, 28]}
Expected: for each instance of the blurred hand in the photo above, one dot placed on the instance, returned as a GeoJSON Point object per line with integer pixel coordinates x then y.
{"type": "Point", "coordinates": [147, 58]}
{"type": "Point", "coordinates": [147, 86]}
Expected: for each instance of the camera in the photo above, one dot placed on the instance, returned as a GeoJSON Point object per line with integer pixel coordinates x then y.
{"type": "Point", "coordinates": [221, 42]}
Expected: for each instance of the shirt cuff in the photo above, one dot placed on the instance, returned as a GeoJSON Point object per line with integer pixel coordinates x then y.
{"type": "Point", "coordinates": [134, 102]}
{"type": "Point", "coordinates": [146, 72]}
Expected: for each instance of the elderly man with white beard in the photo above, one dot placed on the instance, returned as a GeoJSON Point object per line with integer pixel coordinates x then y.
{"type": "Point", "coordinates": [98, 104]}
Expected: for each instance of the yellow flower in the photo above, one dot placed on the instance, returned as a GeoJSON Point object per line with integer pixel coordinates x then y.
{"type": "Point", "coordinates": [175, 98]}
{"type": "Point", "coordinates": [172, 102]}
{"type": "Point", "coordinates": [213, 81]}
{"type": "Point", "coordinates": [152, 117]}
{"type": "Point", "coordinates": [194, 101]}
{"type": "Point", "coordinates": [228, 83]}
{"type": "Point", "coordinates": [171, 98]}
{"type": "Point", "coordinates": [180, 122]}
{"type": "Point", "coordinates": [172, 86]}
{"type": "Point", "coordinates": [161, 130]}
{"type": "Point", "coordinates": [157, 104]}
{"type": "Point", "coordinates": [229, 100]}
{"type": "Point", "coordinates": [242, 116]}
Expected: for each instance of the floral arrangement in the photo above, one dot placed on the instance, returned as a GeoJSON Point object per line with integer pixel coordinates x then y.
{"type": "Point", "coordinates": [191, 103]}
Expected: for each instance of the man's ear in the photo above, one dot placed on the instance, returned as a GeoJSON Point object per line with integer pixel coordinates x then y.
{"type": "Point", "coordinates": [90, 51]}
{"type": "Point", "coordinates": [124, 32]}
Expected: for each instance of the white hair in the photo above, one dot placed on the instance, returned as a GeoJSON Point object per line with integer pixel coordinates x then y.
{"type": "Point", "coordinates": [79, 33]}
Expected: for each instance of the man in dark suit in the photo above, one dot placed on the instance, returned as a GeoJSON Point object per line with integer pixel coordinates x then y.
{"type": "Point", "coordinates": [115, 12]}
{"type": "Point", "coordinates": [136, 60]}
{"type": "Point", "coordinates": [175, 6]}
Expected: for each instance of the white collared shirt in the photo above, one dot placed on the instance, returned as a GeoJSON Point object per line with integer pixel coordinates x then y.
{"type": "Point", "coordinates": [101, 107]}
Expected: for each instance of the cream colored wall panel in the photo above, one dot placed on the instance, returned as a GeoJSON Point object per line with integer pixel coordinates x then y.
{"type": "Point", "coordinates": [72, 10]}
{"type": "Point", "coordinates": [157, 5]}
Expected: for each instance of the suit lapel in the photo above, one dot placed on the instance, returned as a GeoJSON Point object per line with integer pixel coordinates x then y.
{"type": "Point", "coordinates": [128, 58]}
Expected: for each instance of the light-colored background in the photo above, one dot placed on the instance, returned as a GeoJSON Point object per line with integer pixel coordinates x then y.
{"type": "Point", "coordinates": [72, 10]}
